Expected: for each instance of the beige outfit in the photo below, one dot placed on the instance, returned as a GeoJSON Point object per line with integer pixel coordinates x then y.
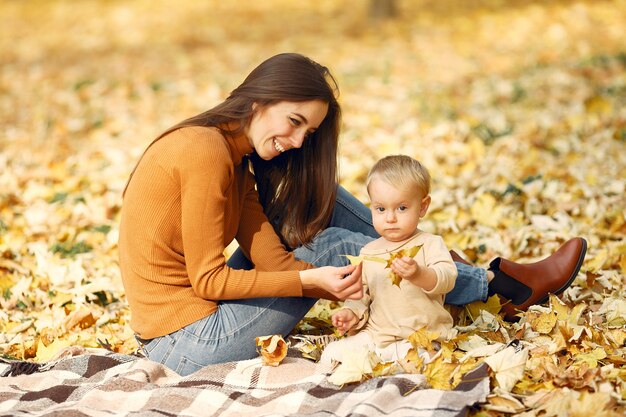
{"type": "Point", "coordinates": [390, 314]}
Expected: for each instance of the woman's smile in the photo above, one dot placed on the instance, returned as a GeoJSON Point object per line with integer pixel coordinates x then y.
{"type": "Point", "coordinates": [278, 146]}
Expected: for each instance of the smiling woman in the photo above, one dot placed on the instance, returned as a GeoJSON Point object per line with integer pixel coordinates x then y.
{"type": "Point", "coordinates": [193, 192]}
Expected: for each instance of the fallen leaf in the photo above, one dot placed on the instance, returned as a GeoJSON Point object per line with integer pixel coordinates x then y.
{"type": "Point", "coordinates": [46, 353]}
{"type": "Point", "coordinates": [355, 366]}
{"type": "Point", "coordinates": [508, 365]}
{"type": "Point", "coordinates": [423, 338]}
{"type": "Point", "coordinates": [272, 349]}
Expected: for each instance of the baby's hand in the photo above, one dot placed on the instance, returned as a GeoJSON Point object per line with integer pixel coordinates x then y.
{"type": "Point", "coordinates": [405, 268]}
{"type": "Point", "coordinates": [344, 320]}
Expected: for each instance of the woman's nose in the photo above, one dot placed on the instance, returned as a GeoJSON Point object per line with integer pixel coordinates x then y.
{"type": "Point", "coordinates": [297, 139]}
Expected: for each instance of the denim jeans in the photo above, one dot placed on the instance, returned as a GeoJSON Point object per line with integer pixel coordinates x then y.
{"type": "Point", "coordinates": [229, 333]}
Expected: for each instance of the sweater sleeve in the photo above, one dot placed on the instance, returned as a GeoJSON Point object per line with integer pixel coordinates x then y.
{"type": "Point", "coordinates": [437, 257]}
{"type": "Point", "coordinates": [206, 174]}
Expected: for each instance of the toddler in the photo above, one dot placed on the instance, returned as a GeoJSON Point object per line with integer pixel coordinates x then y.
{"type": "Point", "coordinates": [398, 187]}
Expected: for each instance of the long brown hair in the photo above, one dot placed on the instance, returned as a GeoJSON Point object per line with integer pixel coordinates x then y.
{"type": "Point", "coordinates": [297, 188]}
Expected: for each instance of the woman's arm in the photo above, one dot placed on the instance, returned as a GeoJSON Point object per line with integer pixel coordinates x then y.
{"type": "Point", "coordinates": [206, 174]}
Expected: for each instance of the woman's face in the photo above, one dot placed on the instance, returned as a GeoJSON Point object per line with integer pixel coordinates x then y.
{"type": "Point", "coordinates": [285, 125]}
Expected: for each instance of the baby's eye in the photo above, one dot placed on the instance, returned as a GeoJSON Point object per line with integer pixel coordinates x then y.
{"type": "Point", "coordinates": [403, 208]}
{"type": "Point", "coordinates": [380, 209]}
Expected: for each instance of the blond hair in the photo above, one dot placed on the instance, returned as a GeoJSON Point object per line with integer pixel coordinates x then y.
{"type": "Point", "coordinates": [401, 171]}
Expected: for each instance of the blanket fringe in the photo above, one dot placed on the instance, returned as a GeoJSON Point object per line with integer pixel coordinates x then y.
{"type": "Point", "coordinates": [22, 368]}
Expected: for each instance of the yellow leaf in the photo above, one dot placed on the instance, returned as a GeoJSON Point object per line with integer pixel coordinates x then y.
{"type": "Point", "coordinates": [272, 349]}
{"type": "Point", "coordinates": [504, 403]}
{"type": "Point", "coordinates": [395, 279]}
{"type": "Point", "coordinates": [82, 318]}
{"type": "Point", "coordinates": [595, 263]}
{"type": "Point", "coordinates": [356, 260]}
{"type": "Point", "coordinates": [439, 374]}
{"type": "Point", "coordinates": [591, 358]}
{"type": "Point", "coordinates": [576, 312]}
{"type": "Point", "coordinates": [492, 305]}
{"type": "Point", "coordinates": [486, 210]}
{"type": "Point", "coordinates": [544, 323]}
{"type": "Point", "coordinates": [598, 105]}
{"type": "Point", "coordinates": [355, 366]}
{"type": "Point", "coordinates": [508, 365]}
{"type": "Point", "coordinates": [589, 404]}
{"type": "Point", "coordinates": [409, 252]}
{"type": "Point", "coordinates": [384, 369]}
{"type": "Point", "coordinates": [412, 363]}
{"type": "Point", "coordinates": [462, 369]}
{"type": "Point", "coordinates": [45, 353]}
{"type": "Point", "coordinates": [561, 310]}
{"type": "Point", "coordinates": [617, 336]}
{"type": "Point", "coordinates": [423, 338]}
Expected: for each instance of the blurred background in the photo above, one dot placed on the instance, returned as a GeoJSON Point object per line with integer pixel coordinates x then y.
{"type": "Point", "coordinates": [517, 107]}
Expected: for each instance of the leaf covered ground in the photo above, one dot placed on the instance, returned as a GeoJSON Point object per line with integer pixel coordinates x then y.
{"type": "Point", "coordinates": [518, 108]}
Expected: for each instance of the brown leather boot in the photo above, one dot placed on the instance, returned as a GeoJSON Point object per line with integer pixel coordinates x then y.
{"type": "Point", "coordinates": [528, 284]}
{"type": "Point", "coordinates": [521, 285]}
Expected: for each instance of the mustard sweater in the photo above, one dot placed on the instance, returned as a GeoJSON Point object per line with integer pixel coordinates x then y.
{"type": "Point", "coordinates": [189, 197]}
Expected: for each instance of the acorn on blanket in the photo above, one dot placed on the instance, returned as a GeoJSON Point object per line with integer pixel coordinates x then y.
{"type": "Point", "coordinates": [272, 349]}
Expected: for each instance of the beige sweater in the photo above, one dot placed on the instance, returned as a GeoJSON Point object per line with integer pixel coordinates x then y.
{"type": "Point", "coordinates": [189, 197]}
{"type": "Point", "coordinates": [390, 313]}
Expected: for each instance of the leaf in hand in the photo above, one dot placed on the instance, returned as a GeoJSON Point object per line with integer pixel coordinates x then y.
{"type": "Point", "coordinates": [356, 260]}
{"type": "Point", "coordinates": [410, 252]}
{"type": "Point", "coordinates": [272, 349]}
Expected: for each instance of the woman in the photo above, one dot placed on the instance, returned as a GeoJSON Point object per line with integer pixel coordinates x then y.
{"type": "Point", "coordinates": [192, 193]}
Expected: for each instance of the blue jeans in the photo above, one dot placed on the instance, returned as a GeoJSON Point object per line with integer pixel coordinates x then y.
{"type": "Point", "coordinates": [229, 333]}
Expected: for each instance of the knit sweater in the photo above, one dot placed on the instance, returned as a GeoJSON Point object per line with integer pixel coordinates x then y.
{"type": "Point", "coordinates": [389, 312]}
{"type": "Point", "coordinates": [188, 198]}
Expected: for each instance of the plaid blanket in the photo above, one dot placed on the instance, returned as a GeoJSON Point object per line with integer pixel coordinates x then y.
{"type": "Point", "coordinates": [96, 382]}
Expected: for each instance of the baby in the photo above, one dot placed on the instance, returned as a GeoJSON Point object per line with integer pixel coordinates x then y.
{"type": "Point", "coordinates": [398, 187]}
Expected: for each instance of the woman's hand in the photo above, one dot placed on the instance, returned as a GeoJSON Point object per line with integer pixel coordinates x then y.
{"type": "Point", "coordinates": [344, 320]}
{"type": "Point", "coordinates": [341, 283]}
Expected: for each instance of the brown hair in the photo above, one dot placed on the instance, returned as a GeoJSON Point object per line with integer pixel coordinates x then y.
{"type": "Point", "coordinates": [297, 188]}
{"type": "Point", "coordinates": [401, 171]}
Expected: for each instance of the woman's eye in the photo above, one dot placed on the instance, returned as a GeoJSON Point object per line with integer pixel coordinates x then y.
{"type": "Point", "coordinates": [295, 122]}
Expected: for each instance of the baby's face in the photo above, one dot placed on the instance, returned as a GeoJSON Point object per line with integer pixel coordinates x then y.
{"type": "Point", "coordinates": [395, 211]}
